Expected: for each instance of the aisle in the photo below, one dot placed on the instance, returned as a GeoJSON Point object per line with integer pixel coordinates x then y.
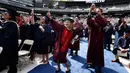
{"type": "Point", "coordinates": [78, 65]}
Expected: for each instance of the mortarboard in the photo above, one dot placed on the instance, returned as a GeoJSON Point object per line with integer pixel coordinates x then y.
{"type": "Point", "coordinates": [69, 19]}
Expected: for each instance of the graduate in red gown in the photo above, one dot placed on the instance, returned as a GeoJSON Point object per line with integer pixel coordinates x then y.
{"type": "Point", "coordinates": [75, 43]}
{"type": "Point", "coordinates": [64, 37]}
{"type": "Point", "coordinates": [95, 55]}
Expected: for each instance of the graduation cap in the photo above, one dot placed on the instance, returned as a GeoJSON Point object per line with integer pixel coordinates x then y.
{"type": "Point", "coordinates": [69, 19]}
{"type": "Point", "coordinates": [12, 13]}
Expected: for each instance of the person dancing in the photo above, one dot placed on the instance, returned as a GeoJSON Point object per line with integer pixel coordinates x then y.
{"type": "Point", "coordinates": [64, 38]}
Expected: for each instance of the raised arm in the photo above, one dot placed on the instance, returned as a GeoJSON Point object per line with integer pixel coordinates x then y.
{"type": "Point", "coordinates": [53, 23]}
{"type": "Point", "coordinates": [91, 20]}
{"type": "Point", "coordinates": [31, 19]}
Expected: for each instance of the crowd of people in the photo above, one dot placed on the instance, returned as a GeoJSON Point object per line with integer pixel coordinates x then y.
{"type": "Point", "coordinates": [57, 35]}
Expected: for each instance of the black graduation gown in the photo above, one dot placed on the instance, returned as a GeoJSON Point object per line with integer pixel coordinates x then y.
{"type": "Point", "coordinates": [24, 31]}
{"type": "Point", "coordinates": [2, 64]}
{"type": "Point", "coordinates": [41, 39]}
{"type": "Point", "coordinates": [1, 35]}
{"type": "Point", "coordinates": [10, 45]}
{"type": "Point", "coordinates": [52, 39]}
{"type": "Point", "coordinates": [52, 36]}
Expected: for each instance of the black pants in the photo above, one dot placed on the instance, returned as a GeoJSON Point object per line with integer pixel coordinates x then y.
{"type": "Point", "coordinates": [12, 68]}
{"type": "Point", "coordinates": [12, 63]}
{"type": "Point", "coordinates": [2, 66]}
{"type": "Point", "coordinates": [107, 43]}
{"type": "Point", "coordinates": [9, 60]}
{"type": "Point", "coordinates": [115, 51]}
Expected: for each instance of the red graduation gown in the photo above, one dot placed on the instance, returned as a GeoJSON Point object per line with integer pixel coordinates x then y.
{"type": "Point", "coordinates": [61, 46]}
{"type": "Point", "coordinates": [95, 53]}
{"type": "Point", "coordinates": [76, 45]}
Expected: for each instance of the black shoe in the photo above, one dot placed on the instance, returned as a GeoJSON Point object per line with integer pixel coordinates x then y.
{"type": "Point", "coordinates": [90, 66]}
{"type": "Point", "coordinates": [68, 71]}
{"type": "Point", "coordinates": [109, 49]}
{"type": "Point", "coordinates": [70, 54]}
{"type": "Point", "coordinates": [76, 53]}
{"type": "Point", "coordinates": [12, 70]}
{"type": "Point", "coordinates": [57, 70]}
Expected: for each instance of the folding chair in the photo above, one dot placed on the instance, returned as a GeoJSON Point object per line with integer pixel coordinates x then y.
{"type": "Point", "coordinates": [19, 42]}
{"type": "Point", "coordinates": [24, 54]}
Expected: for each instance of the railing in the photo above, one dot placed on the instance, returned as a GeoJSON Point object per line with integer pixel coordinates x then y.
{"type": "Point", "coordinates": [12, 3]}
{"type": "Point", "coordinates": [110, 8]}
{"type": "Point", "coordinates": [18, 2]}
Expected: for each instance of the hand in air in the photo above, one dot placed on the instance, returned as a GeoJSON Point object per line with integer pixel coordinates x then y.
{"type": "Point", "coordinates": [49, 14]}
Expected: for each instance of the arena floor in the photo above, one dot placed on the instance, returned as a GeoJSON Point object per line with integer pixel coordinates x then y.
{"type": "Point", "coordinates": [77, 64]}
